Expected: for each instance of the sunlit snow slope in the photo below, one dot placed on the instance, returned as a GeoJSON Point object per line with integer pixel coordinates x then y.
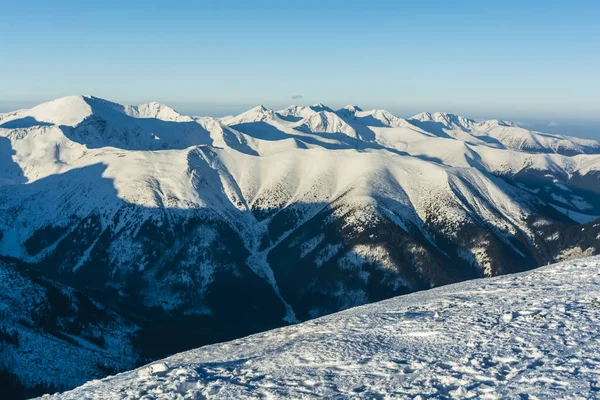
{"type": "Point", "coordinates": [530, 334]}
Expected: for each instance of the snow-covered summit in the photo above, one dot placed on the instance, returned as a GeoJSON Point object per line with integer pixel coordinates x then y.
{"type": "Point", "coordinates": [72, 110]}
{"type": "Point", "coordinates": [351, 108]}
{"type": "Point", "coordinates": [293, 112]}
{"type": "Point", "coordinates": [69, 110]}
{"type": "Point", "coordinates": [449, 120]}
{"type": "Point", "coordinates": [528, 335]}
{"type": "Point", "coordinates": [379, 118]}
{"type": "Point", "coordinates": [348, 112]}
{"type": "Point", "coordinates": [320, 107]}
{"type": "Point", "coordinates": [257, 114]}
{"type": "Point", "coordinates": [325, 122]}
{"type": "Point", "coordinates": [156, 110]}
{"type": "Point", "coordinates": [498, 122]}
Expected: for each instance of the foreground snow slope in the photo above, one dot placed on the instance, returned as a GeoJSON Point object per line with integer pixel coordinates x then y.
{"type": "Point", "coordinates": [529, 334]}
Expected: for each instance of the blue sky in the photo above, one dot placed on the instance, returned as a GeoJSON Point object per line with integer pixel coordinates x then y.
{"type": "Point", "coordinates": [535, 60]}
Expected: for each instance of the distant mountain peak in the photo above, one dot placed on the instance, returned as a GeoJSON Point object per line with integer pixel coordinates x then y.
{"type": "Point", "coordinates": [157, 110]}
{"type": "Point", "coordinates": [259, 108]}
{"type": "Point", "coordinates": [502, 122]}
{"type": "Point", "coordinates": [320, 107]}
{"type": "Point", "coordinates": [352, 108]}
{"type": "Point", "coordinates": [255, 114]}
{"type": "Point", "coordinates": [448, 119]}
{"type": "Point", "coordinates": [72, 110]}
{"type": "Point", "coordinates": [67, 110]}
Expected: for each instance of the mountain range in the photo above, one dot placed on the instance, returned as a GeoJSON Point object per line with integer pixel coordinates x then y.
{"type": "Point", "coordinates": [128, 233]}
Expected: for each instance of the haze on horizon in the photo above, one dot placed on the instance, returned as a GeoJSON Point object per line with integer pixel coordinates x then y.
{"type": "Point", "coordinates": [533, 62]}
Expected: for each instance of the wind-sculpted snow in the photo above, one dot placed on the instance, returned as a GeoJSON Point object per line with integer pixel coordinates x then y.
{"type": "Point", "coordinates": [528, 335]}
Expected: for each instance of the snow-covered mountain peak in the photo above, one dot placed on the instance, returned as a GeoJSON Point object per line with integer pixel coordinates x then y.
{"type": "Point", "coordinates": [351, 108]}
{"type": "Point", "coordinates": [156, 110]}
{"type": "Point", "coordinates": [256, 114]}
{"type": "Point", "coordinates": [295, 110]}
{"type": "Point", "coordinates": [68, 110]}
{"type": "Point", "coordinates": [259, 108]}
{"type": "Point", "coordinates": [295, 113]}
{"type": "Point", "coordinates": [378, 118]}
{"type": "Point", "coordinates": [320, 107]}
{"type": "Point", "coordinates": [424, 116]}
{"type": "Point", "coordinates": [325, 122]}
{"type": "Point", "coordinates": [448, 119]}
{"type": "Point", "coordinates": [508, 123]}
{"type": "Point", "coordinates": [490, 123]}
{"type": "Point", "coordinates": [72, 110]}
{"type": "Point", "coordinates": [98, 123]}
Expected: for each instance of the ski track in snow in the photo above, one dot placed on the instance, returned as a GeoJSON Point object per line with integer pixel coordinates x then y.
{"type": "Point", "coordinates": [528, 335]}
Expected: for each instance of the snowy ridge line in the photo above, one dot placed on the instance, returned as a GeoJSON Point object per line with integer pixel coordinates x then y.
{"type": "Point", "coordinates": [528, 334]}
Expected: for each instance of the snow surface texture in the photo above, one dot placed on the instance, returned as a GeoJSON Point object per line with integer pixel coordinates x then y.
{"type": "Point", "coordinates": [528, 335]}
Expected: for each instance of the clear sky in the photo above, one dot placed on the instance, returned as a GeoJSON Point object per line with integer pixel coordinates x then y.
{"type": "Point", "coordinates": [519, 59]}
